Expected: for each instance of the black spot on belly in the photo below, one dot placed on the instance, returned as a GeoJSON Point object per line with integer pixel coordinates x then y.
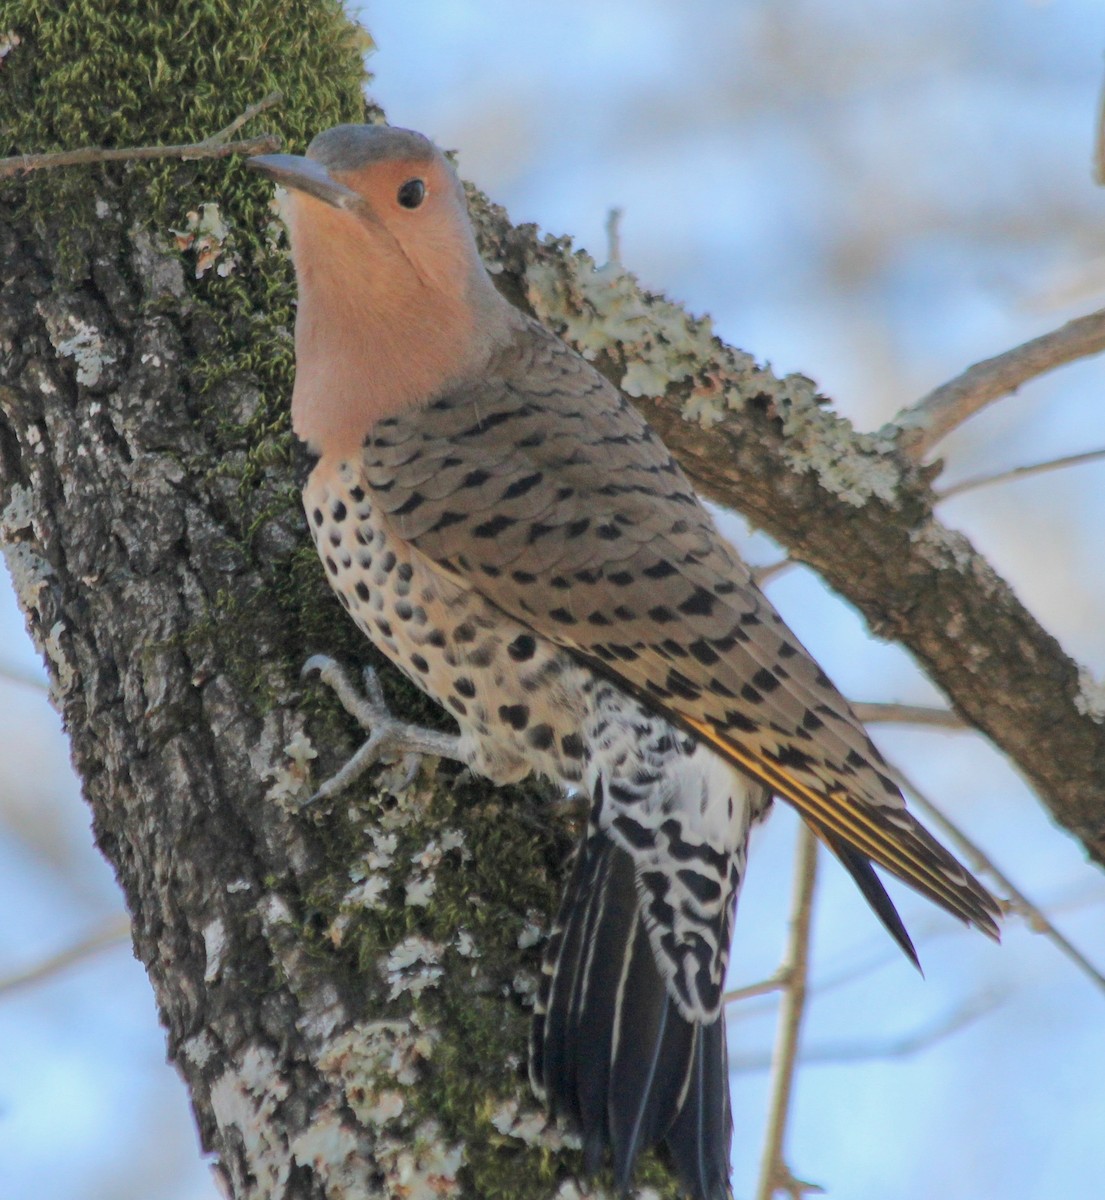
{"type": "Point", "coordinates": [515, 715]}
{"type": "Point", "coordinates": [338, 511]}
{"type": "Point", "coordinates": [464, 686]}
{"type": "Point", "coordinates": [571, 745]}
{"type": "Point", "coordinates": [540, 737]}
{"type": "Point", "coordinates": [482, 656]}
{"type": "Point", "coordinates": [523, 648]}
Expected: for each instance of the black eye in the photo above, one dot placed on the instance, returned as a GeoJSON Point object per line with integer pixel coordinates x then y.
{"type": "Point", "coordinates": [412, 193]}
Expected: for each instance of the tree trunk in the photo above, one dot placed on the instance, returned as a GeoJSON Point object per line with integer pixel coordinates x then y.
{"type": "Point", "coordinates": [346, 988]}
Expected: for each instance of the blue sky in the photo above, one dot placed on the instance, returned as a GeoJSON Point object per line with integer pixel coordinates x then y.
{"type": "Point", "coordinates": [875, 194]}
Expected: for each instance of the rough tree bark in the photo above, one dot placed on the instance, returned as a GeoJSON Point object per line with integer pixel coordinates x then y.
{"type": "Point", "coordinates": [346, 991]}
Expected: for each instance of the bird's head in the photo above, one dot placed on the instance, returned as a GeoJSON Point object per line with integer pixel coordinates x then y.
{"type": "Point", "coordinates": [394, 302]}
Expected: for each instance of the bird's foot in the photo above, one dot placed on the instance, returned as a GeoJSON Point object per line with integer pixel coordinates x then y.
{"type": "Point", "coordinates": [390, 740]}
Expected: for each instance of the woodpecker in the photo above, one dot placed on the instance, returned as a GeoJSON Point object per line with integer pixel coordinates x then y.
{"type": "Point", "coordinates": [502, 524]}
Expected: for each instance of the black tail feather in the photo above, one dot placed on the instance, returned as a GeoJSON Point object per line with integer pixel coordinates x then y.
{"type": "Point", "coordinates": [651, 1059]}
{"type": "Point", "coordinates": [611, 1051]}
{"type": "Point", "coordinates": [557, 1056]}
{"type": "Point", "coordinates": [699, 1140]}
{"type": "Point", "coordinates": [859, 866]}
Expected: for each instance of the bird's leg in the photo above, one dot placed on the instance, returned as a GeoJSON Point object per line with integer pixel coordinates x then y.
{"type": "Point", "coordinates": [389, 739]}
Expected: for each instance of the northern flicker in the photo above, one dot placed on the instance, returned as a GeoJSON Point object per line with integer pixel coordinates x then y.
{"type": "Point", "coordinates": [505, 527]}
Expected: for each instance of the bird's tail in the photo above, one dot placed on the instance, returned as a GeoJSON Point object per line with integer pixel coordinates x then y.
{"type": "Point", "coordinates": [610, 1051]}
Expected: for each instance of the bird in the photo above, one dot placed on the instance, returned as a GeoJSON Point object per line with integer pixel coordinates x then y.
{"type": "Point", "coordinates": [505, 527]}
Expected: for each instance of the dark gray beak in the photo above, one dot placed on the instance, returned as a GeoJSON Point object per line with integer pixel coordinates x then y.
{"type": "Point", "coordinates": [306, 175]}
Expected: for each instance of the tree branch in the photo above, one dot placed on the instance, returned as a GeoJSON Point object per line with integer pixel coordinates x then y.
{"type": "Point", "coordinates": [866, 1050]}
{"type": "Point", "coordinates": [908, 714]}
{"type": "Point", "coordinates": [919, 428]}
{"type": "Point", "coordinates": [769, 571]}
{"type": "Point", "coordinates": [113, 933]}
{"type": "Point", "coordinates": [1054, 464]}
{"type": "Point", "coordinates": [775, 1175]}
{"type": "Point", "coordinates": [848, 505]}
{"type": "Point", "coordinates": [23, 678]}
{"type": "Point", "coordinates": [217, 145]}
{"type": "Point", "coordinates": [979, 860]}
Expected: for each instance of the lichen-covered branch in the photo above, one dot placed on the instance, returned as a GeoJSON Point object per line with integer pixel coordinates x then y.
{"type": "Point", "coordinates": [851, 505]}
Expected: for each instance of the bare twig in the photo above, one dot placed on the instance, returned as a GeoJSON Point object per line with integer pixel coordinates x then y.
{"type": "Point", "coordinates": [864, 1051]}
{"type": "Point", "coordinates": [1053, 464]}
{"type": "Point", "coordinates": [1018, 901]}
{"type": "Point", "coordinates": [23, 678]}
{"type": "Point", "coordinates": [247, 115]}
{"type": "Point", "coordinates": [918, 428]}
{"type": "Point", "coordinates": [774, 1173]}
{"type": "Point", "coordinates": [614, 236]}
{"type": "Point", "coordinates": [908, 714]}
{"type": "Point", "coordinates": [110, 934]}
{"type": "Point", "coordinates": [218, 145]}
{"type": "Point", "coordinates": [765, 987]}
{"type": "Point", "coordinates": [1099, 143]}
{"type": "Point", "coordinates": [770, 571]}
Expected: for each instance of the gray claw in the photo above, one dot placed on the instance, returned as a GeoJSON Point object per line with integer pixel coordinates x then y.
{"type": "Point", "coordinates": [389, 739]}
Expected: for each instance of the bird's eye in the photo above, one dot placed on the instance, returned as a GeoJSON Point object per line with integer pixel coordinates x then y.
{"type": "Point", "coordinates": [412, 193]}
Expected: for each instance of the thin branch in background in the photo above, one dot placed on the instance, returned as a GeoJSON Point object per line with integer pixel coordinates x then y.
{"type": "Point", "coordinates": [1053, 464]}
{"type": "Point", "coordinates": [765, 987]}
{"type": "Point", "coordinates": [909, 714]}
{"type": "Point", "coordinates": [218, 145]}
{"type": "Point", "coordinates": [918, 428]}
{"type": "Point", "coordinates": [764, 574]}
{"type": "Point", "coordinates": [1099, 143]}
{"type": "Point", "coordinates": [112, 933]}
{"type": "Point", "coordinates": [874, 956]}
{"type": "Point", "coordinates": [865, 1051]}
{"type": "Point", "coordinates": [24, 678]}
{"type": "Point", "coordinates": [1018, 901]}
{"type": "Point", "coordinates": [614, 236]}
{"type": "Point", "coordinates": [862, 962]}
{"type": "Point", "coordinates": [775, 1175]}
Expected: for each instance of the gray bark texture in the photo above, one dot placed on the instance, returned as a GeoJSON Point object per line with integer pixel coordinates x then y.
{"type": "Point", "coordinates": [346, 990]}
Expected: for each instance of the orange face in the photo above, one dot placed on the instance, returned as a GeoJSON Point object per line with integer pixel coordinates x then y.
{"type": "Point", "coordinates": [393, 298]}
{"type": "Point", "coordinates": [419, 207]}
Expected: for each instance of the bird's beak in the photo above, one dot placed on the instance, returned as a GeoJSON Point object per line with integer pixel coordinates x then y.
{"type": "Point", "coordinates": [306, 175]}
